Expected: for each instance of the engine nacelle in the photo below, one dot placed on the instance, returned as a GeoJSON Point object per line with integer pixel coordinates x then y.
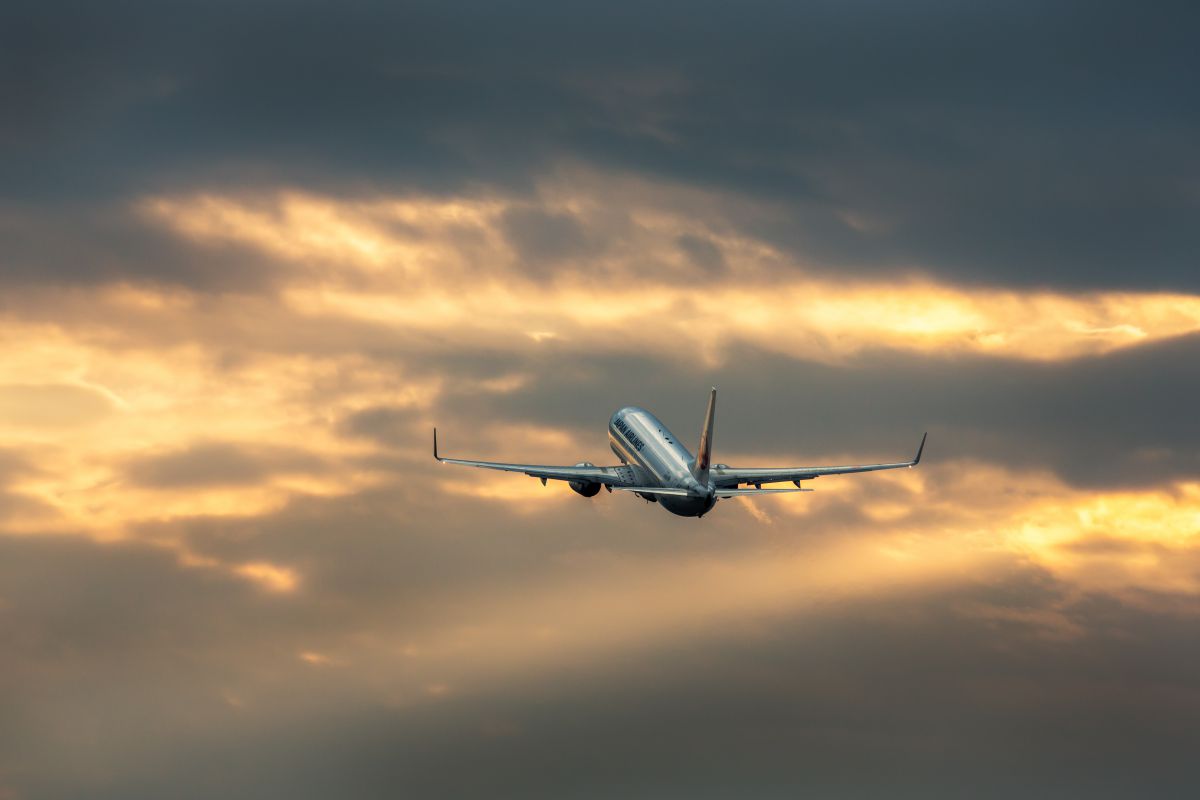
{"type": "Point", "coordinates": [585, 488]}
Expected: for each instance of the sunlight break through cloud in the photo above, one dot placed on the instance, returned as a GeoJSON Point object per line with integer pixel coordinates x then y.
{"type": "Point", "coordinates": [402, 263]}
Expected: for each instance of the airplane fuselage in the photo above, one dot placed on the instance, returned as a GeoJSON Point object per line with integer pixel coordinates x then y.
{"type": "Point", "coordinates": [642, 441]}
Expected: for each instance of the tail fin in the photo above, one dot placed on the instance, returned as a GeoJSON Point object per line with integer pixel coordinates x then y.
{"type": "Point", "coordinates": [704, 451]}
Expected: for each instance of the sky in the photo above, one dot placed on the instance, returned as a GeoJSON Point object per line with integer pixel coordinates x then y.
{"type": "Point", "coordinates": [251, 253]}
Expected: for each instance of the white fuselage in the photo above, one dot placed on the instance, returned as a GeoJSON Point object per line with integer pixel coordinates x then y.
{"type": "Point", "coordinates": [641, 440]}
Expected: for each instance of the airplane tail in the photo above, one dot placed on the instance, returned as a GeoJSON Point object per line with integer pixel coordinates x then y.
{"type": "Point", "coordinates": [704, 451]}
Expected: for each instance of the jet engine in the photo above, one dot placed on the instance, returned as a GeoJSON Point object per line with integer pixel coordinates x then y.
{"type": "Point", "coordinates": [585, 488]}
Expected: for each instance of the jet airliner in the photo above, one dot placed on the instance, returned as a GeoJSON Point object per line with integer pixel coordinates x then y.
{"type": "Point", "coordinates": [656, 467]}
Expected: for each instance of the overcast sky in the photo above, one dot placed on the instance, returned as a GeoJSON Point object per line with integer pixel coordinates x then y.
{"type": "Point", "coordinates": [250, 253]}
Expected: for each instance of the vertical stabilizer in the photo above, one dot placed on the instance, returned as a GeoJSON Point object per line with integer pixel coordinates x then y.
{"type": "Point", "coordinates": [704, 451]}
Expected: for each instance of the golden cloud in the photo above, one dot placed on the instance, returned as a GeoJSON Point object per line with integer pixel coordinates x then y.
{"type": "Point", "coordinates": [122, 373]}
{"type": "Point", "coordinates": [438, 267]}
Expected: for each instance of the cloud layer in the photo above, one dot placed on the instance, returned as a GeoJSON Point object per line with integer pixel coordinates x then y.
{"type": "Point", "coordinates": [252, 255]}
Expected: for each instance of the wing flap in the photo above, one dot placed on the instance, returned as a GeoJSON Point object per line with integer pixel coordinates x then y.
{"type": "Point", "coordinates": [723, 493]}
{"type": "Point", "coordinates": [655, 490]}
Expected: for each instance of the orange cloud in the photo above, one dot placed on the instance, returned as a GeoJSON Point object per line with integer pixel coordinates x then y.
{"type": "Point", "coordinates": [120, 373]}
{"type": "Point", "coordinates": [1110, 540]}
{"type": "Point", "coordinates": [270, 576]}
{"type": "Point", "coordinates": [410, 278]}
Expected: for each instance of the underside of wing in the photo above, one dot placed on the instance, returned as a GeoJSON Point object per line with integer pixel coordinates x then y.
{"type": "Point", "coordinates": [723, 493]}
{"type": "Point", "coordinates": [728, 477]}
{"type": "Point", "coordinates": [668, 491]}
{"type": "Point", "coordinates": [614, 477]}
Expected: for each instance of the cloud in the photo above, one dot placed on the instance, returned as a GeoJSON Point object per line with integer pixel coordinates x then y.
{"type": "Point", "coordinates": [394, 426]}
{"type": "Point", "coordinates": [1051, 153]}
{"type": "Point", "coordinates": [540, 237]}
{"type": "Point", "coordinates": [1119, 419]}
{"type": "Point", "coordinates": [702, 252]}
{"type": "Point", "coordinates": [251, 258]}
{"type": "Point", "coordinates": [397, 278]}
{"type": "Point", "coordinates": [221, 464]}
{"type": "Point", "coordinates": [54, 406]}
{"type": "Point", "coordinates": [81, 246]}
{"type": "Point", "coordinates": [850, 677]}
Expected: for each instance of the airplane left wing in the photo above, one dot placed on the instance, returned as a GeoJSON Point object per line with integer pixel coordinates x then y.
{"type": "Point", "coordinates": [728, 477]}
{"type": "Point", "coordinates": [608, 476]}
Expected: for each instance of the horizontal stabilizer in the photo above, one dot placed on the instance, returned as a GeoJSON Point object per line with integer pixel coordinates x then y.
{"type": "Point", "coordinates": [747, 492]}
{"type": "Point", "coordinates": [654, 490]}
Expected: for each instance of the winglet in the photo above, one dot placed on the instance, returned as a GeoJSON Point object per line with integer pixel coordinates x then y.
{"type": "Point", "coordinates": [435, 454]}
{"type": "Point", "coordinates": [917, 460]}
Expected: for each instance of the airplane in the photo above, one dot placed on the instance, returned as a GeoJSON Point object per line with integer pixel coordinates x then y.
{"type": "Point", "coordinates": [657, 468]}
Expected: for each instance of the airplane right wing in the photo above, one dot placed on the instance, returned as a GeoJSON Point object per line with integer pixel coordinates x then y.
{"type": "Point", "coordinates": [730, 477]}
{"type": "Point", "coordinates": [614, 477]}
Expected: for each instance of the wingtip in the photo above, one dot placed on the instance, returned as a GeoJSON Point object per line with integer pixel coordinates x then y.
{"type": "Point", "coordinates": [435, 452]}
{"type": "Point", "coordinates": [921, 448]}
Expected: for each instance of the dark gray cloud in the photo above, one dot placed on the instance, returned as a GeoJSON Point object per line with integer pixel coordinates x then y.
{"type": "Point", "coordinates": [848, 705]}
{"type": "Point", "coordinates": [702, 252]}
{"type": "Point", "coordinates": [539, 237]}
{"type": "Point", "coordinates": [1024, 144]}
{"type": "Point", "coordinates": [911, 695]}
{"type": "Point", "coordinates": [72, 244]}
{"type": "Point", "coordinates": [1121, 419]}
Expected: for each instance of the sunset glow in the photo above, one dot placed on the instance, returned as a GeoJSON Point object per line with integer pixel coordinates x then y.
{"type": "Point", "coordinates": [773, 310]}
{"type": "Point", "coordinates": [253, 256]}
